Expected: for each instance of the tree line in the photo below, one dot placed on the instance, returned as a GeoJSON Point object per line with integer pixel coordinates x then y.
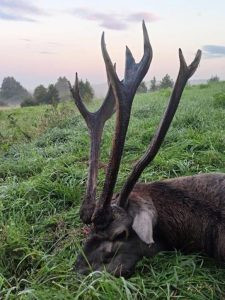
{"type": "Point", "coordinates": [166, 82]}
{"type": "Point", "coordinates": [13, 93]}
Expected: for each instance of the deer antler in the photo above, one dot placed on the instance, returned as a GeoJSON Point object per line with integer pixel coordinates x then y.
{"type": "Point", "coordinates": [124, 92]}
{"type": "Point", "coordinates": [184, 74]}
{"type": "Point", "coordinates": [95, 123]}
{"type": "Point", "coordinates": [121, 93]}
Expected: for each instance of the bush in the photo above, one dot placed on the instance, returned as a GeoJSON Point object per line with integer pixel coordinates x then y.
{"type": "Point", "coordinates": [28, 102]}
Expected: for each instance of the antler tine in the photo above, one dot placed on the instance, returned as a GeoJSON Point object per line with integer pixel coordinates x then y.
{"type": "Point", "coordinates": [137, 69]}
{"type": "Point", "coordinates": [95, 123]}
{"type": "Point", "coordinates": [184, 74]}
{"type": "Point", "coordinates": [124, 92]}
{"type": "Point", "coordinates": [78, 101]}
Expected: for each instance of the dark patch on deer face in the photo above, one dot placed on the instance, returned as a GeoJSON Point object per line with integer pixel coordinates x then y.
{"type": "Point", "coordinates": [118, 256]}
{"type": "Point", "coordinates": [116, 249]}
{"type": "Point", "coordinates": [109, 249]}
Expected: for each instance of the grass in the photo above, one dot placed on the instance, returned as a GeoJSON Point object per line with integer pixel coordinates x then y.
{"type": "Point", "coordinates": [42, 181]}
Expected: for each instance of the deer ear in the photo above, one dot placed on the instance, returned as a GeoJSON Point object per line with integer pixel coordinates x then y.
{"type": "Point", "coordinates": [144, 218]}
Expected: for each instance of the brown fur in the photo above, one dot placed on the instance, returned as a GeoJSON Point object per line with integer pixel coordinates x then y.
{"type": "Point", "coordinates": [188, 214]}
{"type": "Point", "coordinates": [191, 211]}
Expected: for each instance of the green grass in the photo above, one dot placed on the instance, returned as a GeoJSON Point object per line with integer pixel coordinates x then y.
{"type": "Point", "coordinates": [43, 170]}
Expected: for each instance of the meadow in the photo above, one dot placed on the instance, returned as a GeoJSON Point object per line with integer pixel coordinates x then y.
{"type": "Point", "coordinates": [43, 170]}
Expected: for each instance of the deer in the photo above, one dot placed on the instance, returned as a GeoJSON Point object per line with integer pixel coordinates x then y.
{"type": "Point", "coordinates": [183, 213]}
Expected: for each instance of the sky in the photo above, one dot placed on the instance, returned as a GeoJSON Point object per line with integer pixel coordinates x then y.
{"type": "Point", "coordinates": [44, 39]}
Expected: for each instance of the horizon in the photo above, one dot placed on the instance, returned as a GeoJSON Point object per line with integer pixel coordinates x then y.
{"type": "Point", "coordinates": [44, 40]}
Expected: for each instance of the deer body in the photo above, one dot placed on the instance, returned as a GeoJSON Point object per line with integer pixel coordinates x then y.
{"type": "Point", "coordinates": [190, 212]}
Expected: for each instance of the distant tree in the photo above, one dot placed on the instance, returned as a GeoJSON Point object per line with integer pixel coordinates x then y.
{"type": "Point", "coordinates": [166, 82]}
{"type": "Point", "coordinates": [63, 88]}
{"type": "Point", "coordinates": [142, 88]}
{"type": "Point", "coordinates": [43, 96]}
{"type": "Point", "coordinates": [28, 102]}
{"type": "Point", "coordinates": [153, 85]}
{"type": "Point", "coordinates": [12, 89]}
{"type": "Point", "coordinates": [40, 94]}
{"type": "Point", "coordinates": [2, 103]}
{"type": "Point", "coordinates": [214, 79]}
{"type": "Point", "coordinates": [86, 90]}
{"type": "Point", "coordinates": [52, 95]}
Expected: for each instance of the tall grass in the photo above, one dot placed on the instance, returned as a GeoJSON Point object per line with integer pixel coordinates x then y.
{"type": "Point", "coordinates": [42, 182]}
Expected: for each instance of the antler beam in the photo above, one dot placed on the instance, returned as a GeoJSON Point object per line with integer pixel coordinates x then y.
{"type": "Point", "coordinates": [184, 74]}
{"type": "Point", "coordinates": [124, 92]}
{"type": "Point", "coordinates": [95, 123]}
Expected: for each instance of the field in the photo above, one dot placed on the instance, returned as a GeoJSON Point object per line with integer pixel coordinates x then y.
{"type": "Point", "coordinates": [43, 169]}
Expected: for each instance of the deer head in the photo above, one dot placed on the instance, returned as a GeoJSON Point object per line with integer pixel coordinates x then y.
{"type": "Point", "coordinates": [122, 227]}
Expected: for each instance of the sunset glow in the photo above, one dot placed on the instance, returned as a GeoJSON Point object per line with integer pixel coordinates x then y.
{"type": "Point", "coordinates": [42, 40]}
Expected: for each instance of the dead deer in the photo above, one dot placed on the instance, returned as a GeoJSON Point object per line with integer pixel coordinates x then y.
{"type": "Point", "coordinates": [185, 213]}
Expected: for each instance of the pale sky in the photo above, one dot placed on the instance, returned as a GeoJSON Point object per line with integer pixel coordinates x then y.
{"type": "Point", "coordinates": [44, 39]}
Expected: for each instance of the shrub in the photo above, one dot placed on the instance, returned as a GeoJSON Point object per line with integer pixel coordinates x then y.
{"type": "Point", "coordinates": [28, 102]}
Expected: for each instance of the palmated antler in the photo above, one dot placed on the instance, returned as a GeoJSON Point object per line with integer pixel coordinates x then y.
{"type": "Point", "coordinates": [124, 92]}
{"type": "Point", "coordinates": [184, 74]}
{"type": "Point", "coordinates": [95, 122]}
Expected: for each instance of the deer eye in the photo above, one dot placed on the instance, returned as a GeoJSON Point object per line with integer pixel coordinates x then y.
{"type": "Point", "coordinates": [122, 236]}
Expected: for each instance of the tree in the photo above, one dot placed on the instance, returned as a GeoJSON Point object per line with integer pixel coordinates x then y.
{"type": "Point", "coordinates": [52, 95]}
{"type": "Point", "coordinates": [12, 89]}
{"type": "Point", "coordinates": [62, 87]}
{"type": "Point", "coordinates": [153, 85]}
{"type": "Point", "coordinates": [166, 82]}
{"type": "Point", "coordinates": [46, 96]}
{"type": "Point", "coordinates": [142, 88]}
{"type": "Point", "coordinates": [86, 90]}
{"type": "Point", "coordinates": [2, 103]}
{"type": "Point", "coordinates": [40, 94]}
{"type": "Point", "coordinates": [214, 79]}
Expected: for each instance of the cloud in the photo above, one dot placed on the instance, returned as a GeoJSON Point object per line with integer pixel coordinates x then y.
{"type": "Point", "coordinates": [110, 21]}
{"type": "Point", "coordinates": [213, 51]}
{"type": "Point", "coordinates": [113, 20]}
{"type": "Point", "coordinates": [12, 17]}
{"type": "Point", "coordinates": [147, 16]}
{"type": "Point", "coordinates": [19, 10]}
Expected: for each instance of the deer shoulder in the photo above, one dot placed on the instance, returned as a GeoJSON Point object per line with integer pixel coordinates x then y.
{"type": "Point", "coordinates": [189, 211]}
